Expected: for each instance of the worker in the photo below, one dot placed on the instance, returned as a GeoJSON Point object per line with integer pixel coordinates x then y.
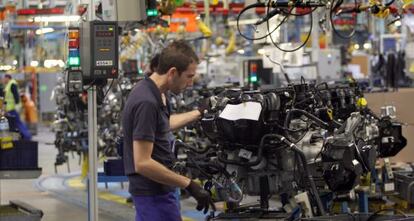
{"type": "Point", "coordinates": [13, 105]}
{"type": "Point", "coordinates": [147, 124]}
{"type": "Point", "coordinates": [153, 68]}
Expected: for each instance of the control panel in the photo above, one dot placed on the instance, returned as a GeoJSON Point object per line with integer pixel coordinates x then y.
{"type": "Point", "coordinates": [99, 50]}
{"type": "Point", "coordinates": [74, 82]}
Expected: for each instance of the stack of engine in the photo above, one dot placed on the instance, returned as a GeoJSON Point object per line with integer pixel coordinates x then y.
{"type": "Point", "coordinates": [302, 139]}
{"type": "Point", "coordinates": [71, 120]}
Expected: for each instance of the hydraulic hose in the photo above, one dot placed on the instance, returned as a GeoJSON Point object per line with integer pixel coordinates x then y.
{"type": "Point", "coordinates": [237, 195]}
{"type": "Point", "coordinates": [259, 158]}
{"type": "Point", "coordinates": [306, 170]}
{"type": "Point", "coordinates": [315, 119]}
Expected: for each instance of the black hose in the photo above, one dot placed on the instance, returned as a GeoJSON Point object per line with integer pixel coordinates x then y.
{"type": "Point", "coordinates": [302, 157]}
{"type": "Point", "coordinates": [388, 4]}
{"type": "Point", "coordinates": [259, 158]}
{"type": "Point", "coordinates": [191, 148]}
{"type": "Point", "coordinates": [315, 119]}
{"type": "Point", "coordinates": [255, 5]}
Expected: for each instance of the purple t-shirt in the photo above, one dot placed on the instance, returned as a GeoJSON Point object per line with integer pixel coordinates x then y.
{"type": "Point", "coordinates": [145, 117]}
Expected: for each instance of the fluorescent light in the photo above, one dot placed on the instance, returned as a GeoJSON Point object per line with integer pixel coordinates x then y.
{"type": "Point", "coordinates": [367, 45]}
{"type": "Point", "coordinates": [397, 23]}
{"type": "Point", "coordinates": [14, 62]}
{"type": "Point", "coordinates": [240, 51]}
{"type": "Point", "coordinates": [34, 63]}
{"type": "Point", "coordinates": [261, 51]}
{"type": "Point", "coordinates": [5, 67]}
{"type": "Point", "coordinates": [356, 46]}
{"type": "Point", "coordinates": [53, 63]}
{"type": "Point", "coordinates": [61, 63]}
{"type": "Point", "coordinates": [56, 18]}
{"type": "Point", "coordinates": [42, 31]}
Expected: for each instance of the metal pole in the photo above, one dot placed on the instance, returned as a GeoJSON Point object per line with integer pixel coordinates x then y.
{"type": "Point", "coordinates": [207, 12]}
{"type": "Point", "coordinates": [92, 156]}
{"type": "Point", "coordinates": [315, 41]}
{"type": "Point", "coordinates": [93, 214]}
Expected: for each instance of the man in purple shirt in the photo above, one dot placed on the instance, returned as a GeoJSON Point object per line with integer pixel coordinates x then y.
{"type": "Point", "coordinates": [147, 124]}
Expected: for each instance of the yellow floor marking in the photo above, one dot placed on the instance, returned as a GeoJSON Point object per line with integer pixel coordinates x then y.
{"type": "Point", "coordinates": [76, 182]}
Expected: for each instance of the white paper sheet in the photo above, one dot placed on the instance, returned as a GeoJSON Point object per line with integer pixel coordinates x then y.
{"type": "Point", "coordinates": [248, 110]}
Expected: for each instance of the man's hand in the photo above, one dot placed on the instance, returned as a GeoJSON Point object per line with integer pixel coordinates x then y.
{"type": "Point", "coordinates": [203, 106]}
{"type": "Point", "coordinates": [202, 196]}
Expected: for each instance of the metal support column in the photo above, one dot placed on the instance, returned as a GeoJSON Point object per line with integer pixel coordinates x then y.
{"type": "Point", "coordinates": [207, 12]}
{"type": "Point", "coordinates": [315, 41]}
{"type": "Point", "coordinates": [93, 156]}
{"type": "Point", "coordinates": [93, 214]}
{"type": "Point", "coordinates": [363, 201]}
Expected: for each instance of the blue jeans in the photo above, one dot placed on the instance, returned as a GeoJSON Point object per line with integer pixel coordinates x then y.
{"type": "Point", "coordinates": [26, 135]}
{"type": "Point", "coordinates": [157, 208]}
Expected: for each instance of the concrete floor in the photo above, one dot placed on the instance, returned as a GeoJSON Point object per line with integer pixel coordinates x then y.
{"type": "Point", "coordinates": [60, 201]}
{"type": "Point", "coordinates": [54, 209]}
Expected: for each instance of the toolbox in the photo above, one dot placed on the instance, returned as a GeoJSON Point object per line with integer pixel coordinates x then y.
{"type": "Point", "coordinates": [404, 185]}
{"type": "Point", "coordinates": [23, 155]}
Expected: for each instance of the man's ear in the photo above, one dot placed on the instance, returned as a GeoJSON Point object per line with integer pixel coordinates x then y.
{"type": "Point", "coordinates": [172, 71]}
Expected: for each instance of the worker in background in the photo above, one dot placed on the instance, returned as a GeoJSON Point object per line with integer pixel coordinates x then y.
{"type": "Point", "coordinates": [13, 105]}
{"type": "Point", "coordinates": [29, 112]}
{"type": "Point", "coordinates": [147, 124]}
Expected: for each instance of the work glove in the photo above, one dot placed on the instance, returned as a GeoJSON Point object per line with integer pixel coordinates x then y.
{"type": "Point", "coordinates": [202, 196]}
{"type": "Point", "coordinates": [203, 106]}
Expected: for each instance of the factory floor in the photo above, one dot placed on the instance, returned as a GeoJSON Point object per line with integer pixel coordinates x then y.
{"type": "Point", "coordinates": [63, 196]}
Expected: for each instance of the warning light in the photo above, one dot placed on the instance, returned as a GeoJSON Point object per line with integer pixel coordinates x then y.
{"type": "Point", "coordinates": [253, 78]}
{"type": "Point", "coordinates": [73, 34]}
{"type": "Point", "coordinates": [74, 44]}
{"type": "Point", "coordinates": [74, 61]}
{"type": "Point", "coordinates": [152, 12]}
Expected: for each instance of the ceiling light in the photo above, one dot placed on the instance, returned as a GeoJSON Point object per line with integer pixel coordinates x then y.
{"type": "Point", "coordinates": [240, 51]}
{"type": "Point", "coordinates": [261, 51]}
{"type": "Point", "coordinates": [5, 67]}
{"type": "Point", "coordinates": [56, 18]}
{"type": "Point", "coordinates": [34, 63]}
{"type": "Point", "coordinates": [49, 63]}
{"type": "Point", "coordinates": [356, 46]}
{"type": "Point", "coordinates": [42, 31]}
{"type": "Point", "coordinates": [367, 45]}
{"type": "Point", "coordinates": [397, 23]}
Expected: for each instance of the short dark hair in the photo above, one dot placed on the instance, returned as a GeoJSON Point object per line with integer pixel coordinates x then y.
{"type": "Point", "coordinates": [154, 63]}
{"type": "Point", "coordinates": [178, 54]}
{"type": "Point", "coordinates": [8, 76]}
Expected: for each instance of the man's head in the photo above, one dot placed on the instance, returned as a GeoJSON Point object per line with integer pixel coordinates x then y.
{"type": "Point", "coordinates": [178, 62]}
{"type": "Point", "coordinates": [7, 78]}
{"type": "Point", "coordinates": [153, 64]}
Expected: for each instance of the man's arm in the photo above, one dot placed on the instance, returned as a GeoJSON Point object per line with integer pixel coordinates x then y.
{"type": "Point", "coordinates": [180, 120]}
{"type": "Point", "coordinates": [15, 92]}
{"type": "Point", "coordinates": [153, 170]}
